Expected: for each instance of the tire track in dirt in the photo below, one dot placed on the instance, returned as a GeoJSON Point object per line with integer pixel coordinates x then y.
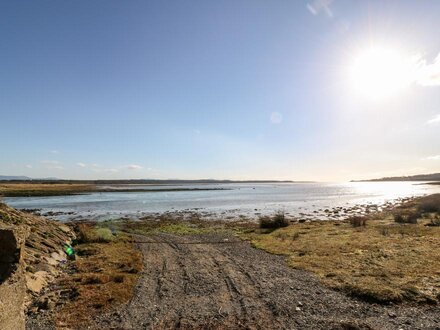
{"type": "Point", "coordinates": [234, 286]}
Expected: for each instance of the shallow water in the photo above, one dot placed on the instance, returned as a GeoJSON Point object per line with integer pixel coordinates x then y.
{"type": "Point", "coordinates": [307, 200]}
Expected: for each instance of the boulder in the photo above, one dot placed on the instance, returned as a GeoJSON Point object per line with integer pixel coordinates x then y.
{"type": "Point", "coordinates": [9, 253]}
{"type": "Point", "coordinates": [12, 284]}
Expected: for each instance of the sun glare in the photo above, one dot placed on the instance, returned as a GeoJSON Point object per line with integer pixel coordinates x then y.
{"type": "Point", "coordinates": [378, 73]}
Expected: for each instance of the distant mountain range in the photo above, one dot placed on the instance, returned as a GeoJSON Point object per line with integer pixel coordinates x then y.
{"type": "Point", "coordinates": [420, 177]}
{"type": "Point", "coordinates": [9, 178]}
{"type": "Point", "coordinates": [21, 178]}
{"type": "Point", "coordinates": [139, 181]}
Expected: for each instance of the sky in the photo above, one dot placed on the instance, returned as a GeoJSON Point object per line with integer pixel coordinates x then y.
{"type": "Point", "coordinates": [251, 89]}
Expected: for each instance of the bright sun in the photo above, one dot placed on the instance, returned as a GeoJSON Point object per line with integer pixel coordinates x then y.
{"type": "Point", "coordinates": [378, 73]}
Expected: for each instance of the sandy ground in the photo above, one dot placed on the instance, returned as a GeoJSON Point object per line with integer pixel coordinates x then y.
{"type": "Point", "coordinates": [216, 281]}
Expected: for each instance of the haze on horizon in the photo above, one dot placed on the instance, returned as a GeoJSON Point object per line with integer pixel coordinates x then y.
{"type": "Point", "coordinates": [293, 90]}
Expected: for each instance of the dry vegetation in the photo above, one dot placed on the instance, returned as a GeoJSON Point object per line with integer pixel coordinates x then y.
{"type": "Point", "coordinates": [30, 189]}
{"type": "Point", "coordinates": [279, 220]}
{"type": "Point", "coordinates": [43, 189]}
{"type": "Point", "coordinates": [380, 260]}
{"type": "Point", "coordinates": [107, 266]}
{"type": "Point", "coordinates": [103, 276]}
{"type": "Point", "coordinates": [181, 223]}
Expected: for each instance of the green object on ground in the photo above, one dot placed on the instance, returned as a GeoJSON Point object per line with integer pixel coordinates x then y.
{"type": "Point", "coordinates": [69, 250]}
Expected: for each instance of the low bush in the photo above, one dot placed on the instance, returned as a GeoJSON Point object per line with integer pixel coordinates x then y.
{"type": "Point", "coordinates": [412, 218]}
{"type": "Point", "coordinates": [430, 204]}
{"type": "Point", "coordinates": [104, 235]}
{"type": "Point", "coordinates": [358, 221]}
{"type": "Point", "coordinates": [90, 234]}
{"type": "Point", "coordinates": [277, 221]}
{"type": "Point", "coordinates": [384, 231]}
{"type": "Point", "coordinates": [407, 217]}
{"type": "Point", "coordinates": [435, 222]}
{"type": "Point", "coordinates": [399, 218]}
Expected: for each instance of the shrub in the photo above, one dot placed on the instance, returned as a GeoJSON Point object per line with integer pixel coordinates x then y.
{"type": "Point", "coordinates": [407, 217]}
{"type": "Point", "coordinates": [430, 204]}
{"type": "Point", "coordinates": [384, 231]}
{"type": "Point", "coordinates": [435, 222]}
{"type": "Point", "coordinates": [90, 234]}
{"type": "Point", "coordinates": [399, 218]}
{"type": "Point", "coordinates": [358, 221]}
{"type": "Point", "coordinates": [412, 218]}
{"type": "Point", "coordinates": [104, 235]}
{"type": "Point", "coordinates": [277, 221]}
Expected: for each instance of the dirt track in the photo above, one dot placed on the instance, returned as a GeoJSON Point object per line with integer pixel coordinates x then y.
{"type": "Point", "coordinates": [231, 285]}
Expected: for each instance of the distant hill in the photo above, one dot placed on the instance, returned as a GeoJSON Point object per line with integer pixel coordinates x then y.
{"type": "Point", "coordinates": [11, 177]}
{"type": "Point", "coordinates": [140, 181]}
{"type": "Point", "coordinates": [420, 177]}
{"type": "Point", "coordinates": [23, 178]}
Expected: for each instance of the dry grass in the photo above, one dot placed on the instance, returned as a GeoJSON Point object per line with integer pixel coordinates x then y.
{"type": "Point", "coordinates": [279, 220]}
{"type": "Point", "coordinates": [105, 275]}
{"type": "Point", "coordinates": [88, 233]}
{"type": "Point", "coordinates": [43, 189]}
{"type": "Point", "coordinates": [382, 262]}
{"type": "Point", "coordinates": [358, 221]}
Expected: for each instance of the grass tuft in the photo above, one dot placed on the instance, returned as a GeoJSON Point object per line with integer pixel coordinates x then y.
{"type": "Point", "coordinates": [279, 220]}
{"type": "Point", "coordinates": [408, 216]}
{"type": "Point", "coordinates": [358, 221]}
{"type": "Point", "coordinates": [88, 233]}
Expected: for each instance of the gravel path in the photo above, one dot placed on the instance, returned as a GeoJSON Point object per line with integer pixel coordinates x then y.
{"type": "Point", "coordinates": [215, 281]}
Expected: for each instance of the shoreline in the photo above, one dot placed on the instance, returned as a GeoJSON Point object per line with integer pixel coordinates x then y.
{"type": "Point", "coordinates": [337, 213]}
{"type": "Point", "coordinates": [350, 271]}
{"type": "Point", "coordinates": [48, 190]}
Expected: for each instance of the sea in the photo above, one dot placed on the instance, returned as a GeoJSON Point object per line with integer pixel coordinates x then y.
{"type": "Point", "coordinates": [229, 201]}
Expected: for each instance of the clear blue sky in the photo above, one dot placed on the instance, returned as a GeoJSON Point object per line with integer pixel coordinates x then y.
{"type": "Point", "coordinates": [215, 89]}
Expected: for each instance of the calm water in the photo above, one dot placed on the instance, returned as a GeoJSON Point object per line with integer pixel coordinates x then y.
{"type": "Point", "coordinates": [306, 200]}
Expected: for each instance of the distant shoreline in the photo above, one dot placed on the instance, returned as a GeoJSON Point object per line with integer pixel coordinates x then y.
{"type": "Point", "coordinates": [46, 190]}
{"type": "Point", "coordinates": [141, 181]}
{"type": "Point", "coordinates": [421, 177]}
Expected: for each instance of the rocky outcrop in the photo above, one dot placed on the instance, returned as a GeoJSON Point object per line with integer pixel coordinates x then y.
{"type": "Point", "coordinates": [10, 253]}
{"type": "Point", "coordinates": [12, 279]}
{"type": "Point", "coordinates": [31, 253]}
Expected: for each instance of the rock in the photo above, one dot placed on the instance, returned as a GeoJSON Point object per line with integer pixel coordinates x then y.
{"type": "Point", "coordinates": [12, 281]}
{"type": "Point", "coordinates": [36, 282]}
{"type": "Point", "coordinates": [58, 256]}
{"type": "Point", "coordinates": [51, 261]}
{"type": "Point", "coordinates": [391, 314]}
{"type": "Point", "coordinates": [46, 303]}
{"type": "Point", "coordinates": [65, 229]}
{"type": "Point", "coordinates": [10, 253]}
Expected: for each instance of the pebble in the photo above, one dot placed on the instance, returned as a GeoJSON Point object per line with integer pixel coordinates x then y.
{"type": "Point", "coordinates": [391, 314]}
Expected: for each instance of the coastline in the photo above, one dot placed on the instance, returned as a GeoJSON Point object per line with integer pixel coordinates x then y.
{"type": "Point", "coordinates": [382, 268]}
{"type": "Point", "coordinates": [56, 189]}
{"type": "Point", "coordinates": [252, 215]}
